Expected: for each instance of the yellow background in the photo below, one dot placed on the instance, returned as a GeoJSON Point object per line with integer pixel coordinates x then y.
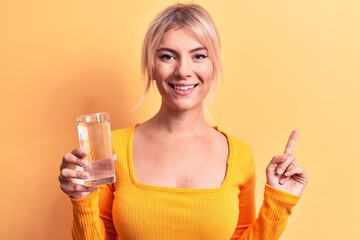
{"type": "Point", "coordinates": [287, 64]}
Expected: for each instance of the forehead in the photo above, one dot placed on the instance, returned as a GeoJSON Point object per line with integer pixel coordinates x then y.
{"type": "Point", "coordinates": [180, 38]}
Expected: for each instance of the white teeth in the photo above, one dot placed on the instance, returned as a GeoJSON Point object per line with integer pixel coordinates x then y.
{"type": "Point", "coordinates": [184, 88]}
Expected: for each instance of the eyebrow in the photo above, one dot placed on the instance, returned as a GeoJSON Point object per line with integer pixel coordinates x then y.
{"type": "Point", "coordinates": [173, 51]}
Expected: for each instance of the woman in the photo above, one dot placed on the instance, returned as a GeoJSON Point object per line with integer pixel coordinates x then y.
{"type": "Point", "coordinates": [178, 177]}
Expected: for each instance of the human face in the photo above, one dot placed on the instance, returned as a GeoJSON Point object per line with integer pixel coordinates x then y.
{"type": "Point", "coordinates": [183, 71]}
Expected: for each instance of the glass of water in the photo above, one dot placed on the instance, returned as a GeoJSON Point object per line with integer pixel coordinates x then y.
{"type": "Point", "coordinates": [95, 137]}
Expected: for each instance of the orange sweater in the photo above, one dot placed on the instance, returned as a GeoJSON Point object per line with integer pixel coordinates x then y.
{"type": "Point", "coordinates": [131, 210]}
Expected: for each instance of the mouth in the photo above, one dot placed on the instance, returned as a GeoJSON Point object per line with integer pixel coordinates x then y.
{"type": "Point", "coordinates": [183, 87]}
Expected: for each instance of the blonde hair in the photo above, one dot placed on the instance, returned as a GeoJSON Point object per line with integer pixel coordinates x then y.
{"type": "Point", "coordinates": [190, 16]}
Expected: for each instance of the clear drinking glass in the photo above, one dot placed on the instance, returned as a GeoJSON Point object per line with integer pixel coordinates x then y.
{"type": "Point", "coordinates": [95, 137]}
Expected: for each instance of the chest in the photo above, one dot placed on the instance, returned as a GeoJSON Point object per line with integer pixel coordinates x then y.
{"type": "Point", "coordinates": [195, 163]}
{"type": "Point", "coordinates": [152, 214]}
{"type": "Point", "coordinates": [144, 211]}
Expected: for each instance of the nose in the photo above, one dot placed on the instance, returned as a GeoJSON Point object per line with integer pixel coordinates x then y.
{"type": "Point", "coordinates": [183, 69]}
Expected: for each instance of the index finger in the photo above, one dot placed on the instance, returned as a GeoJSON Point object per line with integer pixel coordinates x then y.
{"type": "Point", "coordinates": [75, 158]}
{"type": "Point", "coordinates": [291, 142]}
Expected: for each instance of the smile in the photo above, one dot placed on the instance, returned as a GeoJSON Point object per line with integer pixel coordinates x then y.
{"type": "Point", "coordinates": [182, 87]}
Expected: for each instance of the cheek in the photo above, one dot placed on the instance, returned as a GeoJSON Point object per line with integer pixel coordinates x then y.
{"type": "Point", "coordinates": [207, 72]}
{"type": "Point", "coordinates": [161, 71]}
{"type": "Point", "coordinates": [162, 75]}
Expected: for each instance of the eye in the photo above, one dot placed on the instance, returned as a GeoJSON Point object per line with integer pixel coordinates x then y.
{"type": "Point", "coordinates": [166, 57]}
{"type": "Point", "coordinates": [199, 57]}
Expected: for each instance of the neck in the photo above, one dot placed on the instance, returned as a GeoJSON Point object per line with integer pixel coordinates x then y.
{"type": "Point", "coordinates": [171, 120]}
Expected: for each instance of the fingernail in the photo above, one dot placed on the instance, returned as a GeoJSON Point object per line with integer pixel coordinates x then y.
{"type": "Point", "coordinates": [82, 151]}
{"type": "Point", "coordinates": [280, 170]}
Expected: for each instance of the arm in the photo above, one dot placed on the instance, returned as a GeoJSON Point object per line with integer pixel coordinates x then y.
{"type": "Point", "coordinates": [281, 193]}
{"type": "Point", "coordinates": [92, 205]}
{"type": "Point", "coordinates": [93, 215]}
{"type": "Point", "coordinates": [272, 218]}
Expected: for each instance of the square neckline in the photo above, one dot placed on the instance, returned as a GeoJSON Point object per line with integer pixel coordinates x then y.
{"type": "Point", "coordinates": [139, 184]}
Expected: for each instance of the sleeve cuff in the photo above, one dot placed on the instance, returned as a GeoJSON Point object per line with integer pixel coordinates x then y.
{"type": "Point", "coordinates": [87, 201]}
{"type": "Point", "coordinates": [280, 196]}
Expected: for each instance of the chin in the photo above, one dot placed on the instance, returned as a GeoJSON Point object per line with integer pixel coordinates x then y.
{"type": "Point", "coordinates": [187, 107]}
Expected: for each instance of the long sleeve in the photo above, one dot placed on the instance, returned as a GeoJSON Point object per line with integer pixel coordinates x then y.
{"type": "Point", "coordinates": [93, 216]}
{"type": "Point", "coordinates": [272, 218]}
{"type": "Point", "coordinates": [276, 207]}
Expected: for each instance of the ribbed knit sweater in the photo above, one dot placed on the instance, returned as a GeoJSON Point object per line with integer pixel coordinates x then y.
{"type": "Point", "coordinates": [132, 210]}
